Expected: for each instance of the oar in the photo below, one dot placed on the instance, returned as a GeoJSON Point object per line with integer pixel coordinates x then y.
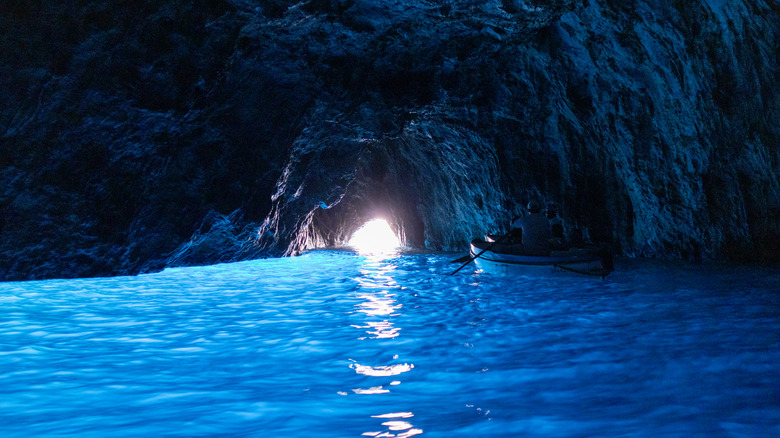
{"type": "Point", "coordinates": [462, 259]}
{"type": "Point", "coordinates": [471, 259]}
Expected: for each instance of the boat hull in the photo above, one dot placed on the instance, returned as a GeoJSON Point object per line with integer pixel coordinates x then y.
{"type": "Point", "coordinates": [579, 263]}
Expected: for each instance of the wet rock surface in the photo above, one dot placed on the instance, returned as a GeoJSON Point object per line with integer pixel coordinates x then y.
{"type": "Point", "coordinates": [134, 137]}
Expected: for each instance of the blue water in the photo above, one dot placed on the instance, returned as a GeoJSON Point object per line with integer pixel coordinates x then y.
{"type": "Point", "coordinates": [332, 344]}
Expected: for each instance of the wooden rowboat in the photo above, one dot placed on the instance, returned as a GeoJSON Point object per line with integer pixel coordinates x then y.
{"type": "Point", "coordinates": [493, 257]}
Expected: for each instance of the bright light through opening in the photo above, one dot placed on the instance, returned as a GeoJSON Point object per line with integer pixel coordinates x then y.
{"type": "Point", "coordinates": [375, 236]}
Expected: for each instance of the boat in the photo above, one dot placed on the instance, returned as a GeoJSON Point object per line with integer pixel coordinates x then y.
{"type": "Point", "coordinates": [507, 258]}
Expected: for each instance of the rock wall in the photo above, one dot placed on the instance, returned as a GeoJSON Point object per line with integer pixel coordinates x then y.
{"type": "Point", "coordinates": [152, 134]}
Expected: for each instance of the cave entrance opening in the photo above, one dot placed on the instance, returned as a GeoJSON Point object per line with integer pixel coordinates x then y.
{"type": "Point", "coordinates": [375, 236]}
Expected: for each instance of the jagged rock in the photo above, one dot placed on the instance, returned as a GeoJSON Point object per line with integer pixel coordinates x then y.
{"type": "Point", "coordinates": [127, 130]}
{"type": "Point", "coordinates": [220, 238]}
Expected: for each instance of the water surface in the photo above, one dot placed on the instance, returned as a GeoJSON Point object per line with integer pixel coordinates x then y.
{"type": "Point", "coordinates": [333, 344]}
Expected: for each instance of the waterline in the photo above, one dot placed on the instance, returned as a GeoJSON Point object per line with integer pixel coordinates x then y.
{"type": "Point", "coordinates": [337, 344]}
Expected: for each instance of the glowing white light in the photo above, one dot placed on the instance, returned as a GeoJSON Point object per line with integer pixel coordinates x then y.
{"type": "Point", "coordinates": [375, 236]}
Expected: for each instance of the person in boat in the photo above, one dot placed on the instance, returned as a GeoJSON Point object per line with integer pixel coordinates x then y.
{"type": "Point", "coordinates": [534, 229]}
{"type": "Point", "coordinates": [515, 236]}
{"type": "Point", "coordinates": [556, 223]}
{"type": "Point", "coordinates": [557, 241]}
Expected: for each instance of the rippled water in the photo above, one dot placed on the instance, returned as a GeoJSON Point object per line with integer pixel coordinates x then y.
{"type": "Point", "coordinates": [332, 344]}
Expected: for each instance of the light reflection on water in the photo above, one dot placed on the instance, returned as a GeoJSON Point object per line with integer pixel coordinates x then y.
{"type": "Point", "coordinates": [380, 307]}
{"type": "Point", "coordinates": [332, 344]}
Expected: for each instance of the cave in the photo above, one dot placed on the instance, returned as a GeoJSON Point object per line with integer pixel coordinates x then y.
{"type": "Point", "coordinates": [236, 130]}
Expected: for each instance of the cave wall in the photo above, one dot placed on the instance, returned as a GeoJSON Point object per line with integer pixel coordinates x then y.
{"type": "Point", "coordinates": [152, 134]}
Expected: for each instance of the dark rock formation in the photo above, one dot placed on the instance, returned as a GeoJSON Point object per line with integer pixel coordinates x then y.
{"type": "Point", "coordinates": [135, 136]}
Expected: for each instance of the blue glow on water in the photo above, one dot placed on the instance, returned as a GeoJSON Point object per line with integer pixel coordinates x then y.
{"type": "Point", "coordinates": [332, 344]}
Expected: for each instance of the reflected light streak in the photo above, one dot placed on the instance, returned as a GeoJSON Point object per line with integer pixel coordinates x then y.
{"type": "Point", "coordinates": [377, 280]}
{"type": "Point", "coordinates": [380, 330]}
{"type": "Point", "coordinates": [395, 425]}
{"type": "Point", "coordinates": [375, 237]}
{"type": "Point", "coordinates": [374, 390]}
{"type": "Point", "coordinates": [395, 415]}
{"type": "Point", "coordinates": [376, 306]}
{"type": "Point", "coordinates": [381, 371]}
{"type": "Point", "coordinates": [411, 432]}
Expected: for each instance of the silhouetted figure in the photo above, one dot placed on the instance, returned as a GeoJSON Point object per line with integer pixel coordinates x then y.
{"type": "Point", "coordinates": [535, 231]}
{"type": "Point", "coordinates": [515, 234]}
{"type": "Point", "coordinates": [557, 241]}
